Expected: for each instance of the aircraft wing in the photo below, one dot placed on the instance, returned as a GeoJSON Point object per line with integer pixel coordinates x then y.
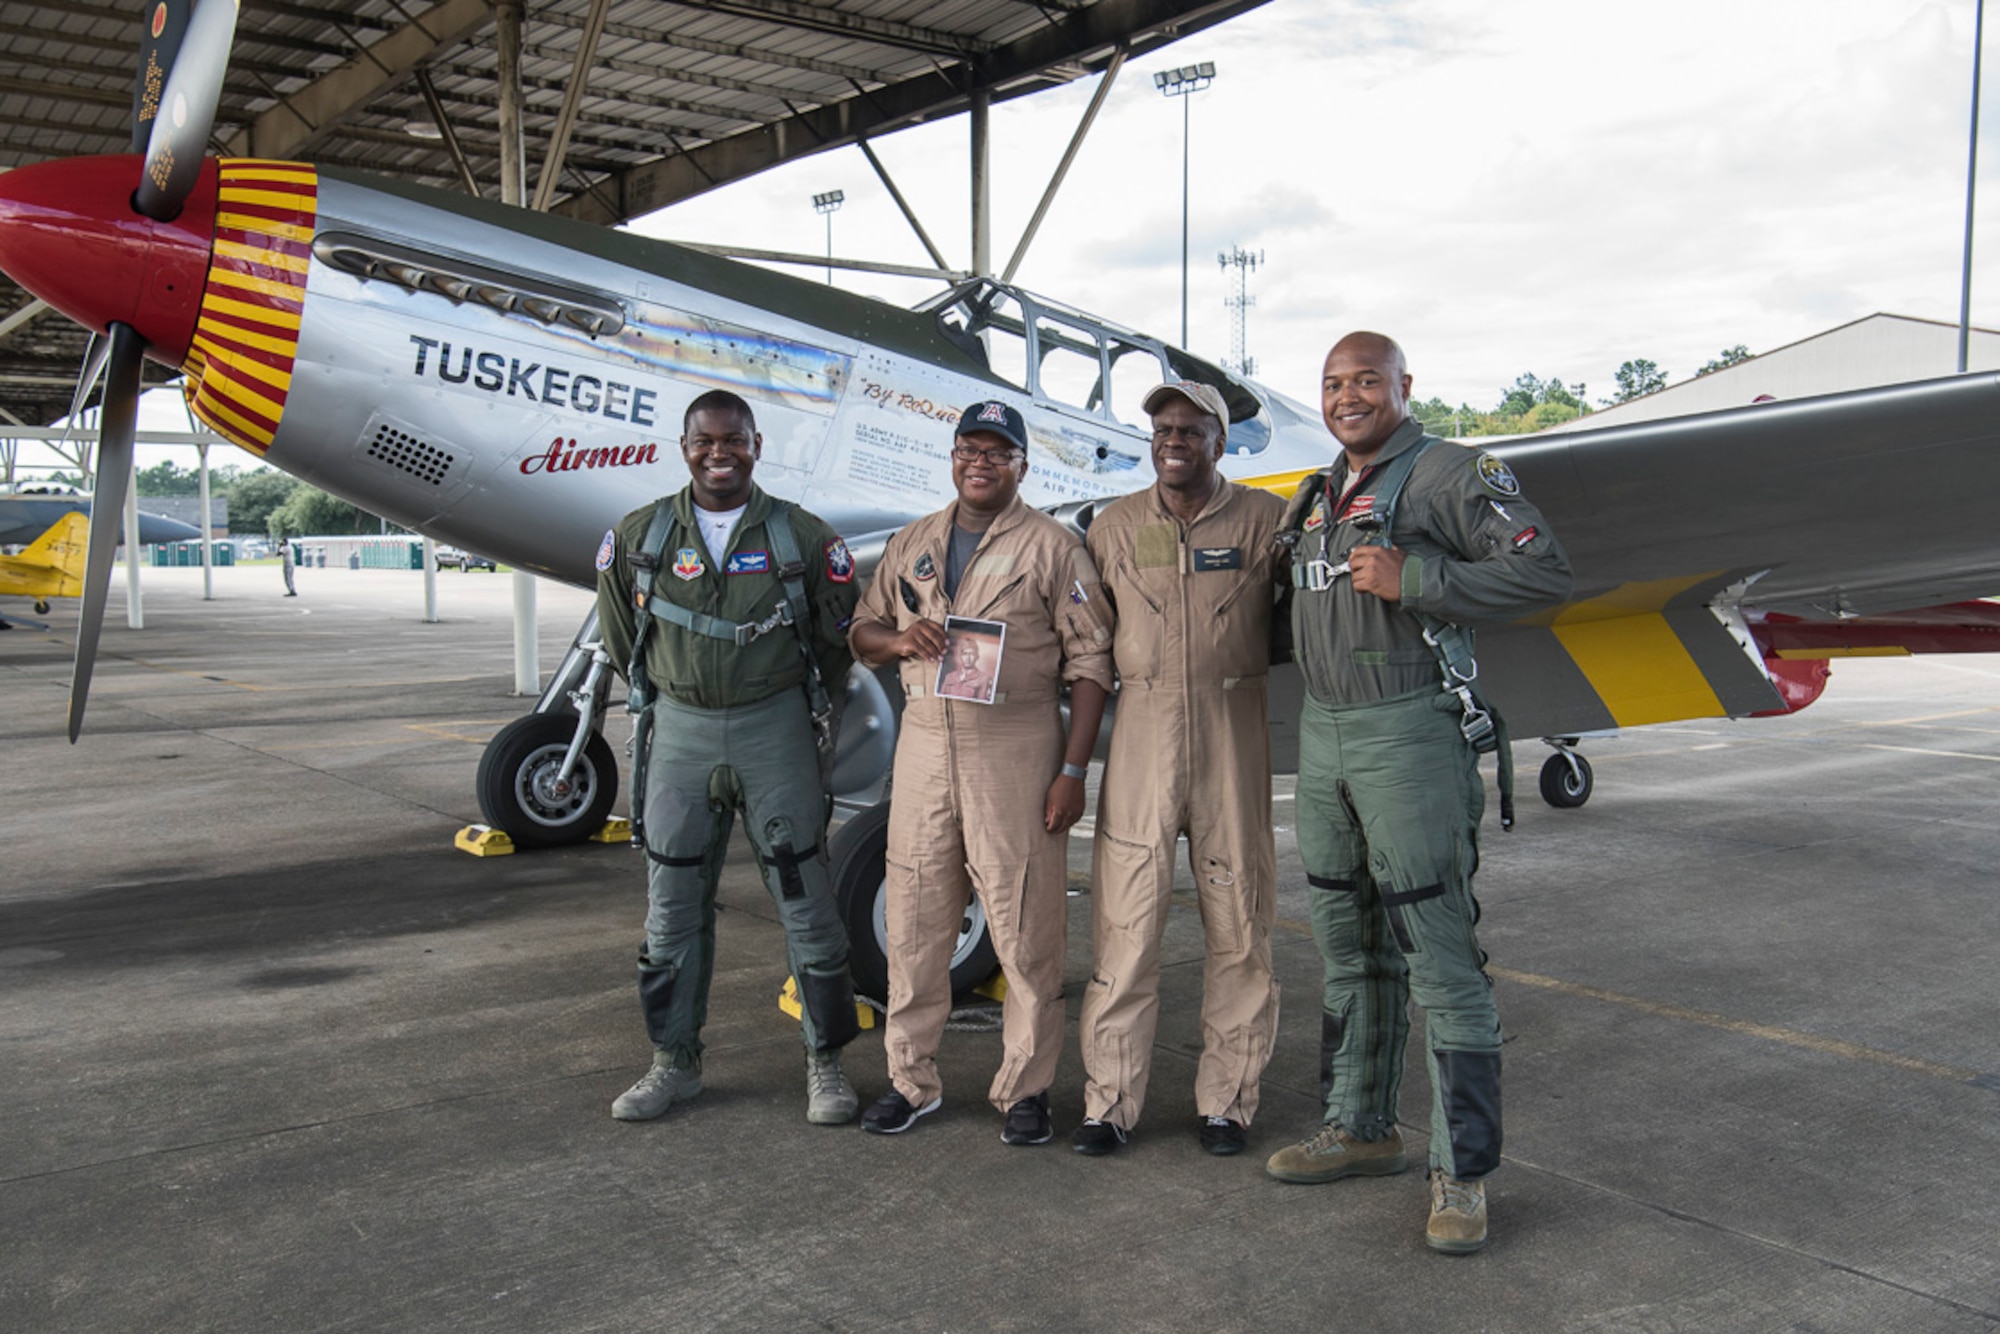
{"type": "Point", "coordinates": [1692, 537]}
{"type": "Point", "coordinates": [24, 517]}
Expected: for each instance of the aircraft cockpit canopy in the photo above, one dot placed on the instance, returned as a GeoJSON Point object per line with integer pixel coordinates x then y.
{"type": "Point", "coordinates": [1079, 363]}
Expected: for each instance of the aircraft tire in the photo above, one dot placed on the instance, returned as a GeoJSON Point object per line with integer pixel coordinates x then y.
{"type": "Point", "coordinates": [1563, 788]}
{"type": "Point", "coordinates": [857, 852]}
{"type": "Point", "coordinates": [514, 771]}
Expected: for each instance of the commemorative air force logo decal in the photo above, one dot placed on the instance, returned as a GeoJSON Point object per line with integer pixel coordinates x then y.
{"type": "Point", "coordinates": [1499, 478]}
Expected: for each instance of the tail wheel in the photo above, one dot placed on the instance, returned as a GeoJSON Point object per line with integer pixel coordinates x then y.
{"type": "Point", "coordinates": [858, 853]}
{"type": "Point", "coordinates": [1566, 780]}
{"type": "Point", "coordinates": [522, 794]}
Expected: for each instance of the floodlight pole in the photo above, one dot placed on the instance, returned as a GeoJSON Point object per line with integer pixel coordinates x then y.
{"type": "Point", "coordinates": [1971, 171]}
{"type": "Point", "coordinates": [826, 206]}
{"type": "Point", "coordinates": [1187, 125]}
{"type": "Point", "coordinates": [1184, 83]}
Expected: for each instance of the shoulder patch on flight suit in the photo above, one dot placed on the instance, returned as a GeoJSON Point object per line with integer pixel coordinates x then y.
{"type": "Point", "coordinates": [687, 563]}
{"type": "Point", "coordinates": [925, 568]}
{"type": "Point", "coordinates": [1156, 544]}
{"type": "Point", "coordinates": [1497, 476]}
{"type": "Point", "coordinates": [839, 563]}
{"type": "Point", "coordinates": [1218, 558]}
{"type": "Point", "coordinates": [606, 553]}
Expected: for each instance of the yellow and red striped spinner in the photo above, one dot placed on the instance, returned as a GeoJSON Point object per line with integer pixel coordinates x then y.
{"type": "Point", "coordinates": [239, 369]}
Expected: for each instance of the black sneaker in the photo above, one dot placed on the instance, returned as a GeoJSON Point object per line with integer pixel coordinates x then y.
{"type": "Point", "coordinates": [892, 1114]}
{"type": "Point", "coordinates": [1222, 1136]}
{"type": "Point", "coordinates": [1028, 1122]}
{"type": "Point", "coordinates": [1095, 1138]}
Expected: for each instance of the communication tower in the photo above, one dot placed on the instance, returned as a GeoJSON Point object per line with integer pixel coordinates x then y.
{"type": "Point", "coordinates": [1243, 261]}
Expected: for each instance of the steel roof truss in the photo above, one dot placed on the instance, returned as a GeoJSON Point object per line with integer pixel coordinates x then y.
{"type": "Point", "coordinates": [336, 94]}
{"type": "Point", "coordinates": [839, 23]}
{"type": "Point", "coordinates": [579, 79]}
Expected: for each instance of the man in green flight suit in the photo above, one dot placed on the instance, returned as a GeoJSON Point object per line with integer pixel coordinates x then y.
{"type": "Point", "coordinates": [1407, 533]}
{"type": "Point", "coordinates": [739, 605]}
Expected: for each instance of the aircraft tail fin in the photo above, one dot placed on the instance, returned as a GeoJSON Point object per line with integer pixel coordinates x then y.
{"type": "Point", "coordinates": [62, 548]}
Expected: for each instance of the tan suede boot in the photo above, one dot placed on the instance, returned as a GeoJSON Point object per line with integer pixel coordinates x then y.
{"type": "Point", "coordinates": [1458, 1215]}
{"type": "Point", "coordinates": [1334, 1153]}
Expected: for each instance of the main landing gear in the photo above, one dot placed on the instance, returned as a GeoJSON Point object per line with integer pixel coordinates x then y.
{"type": "Point", "coordinates": [549, 779]}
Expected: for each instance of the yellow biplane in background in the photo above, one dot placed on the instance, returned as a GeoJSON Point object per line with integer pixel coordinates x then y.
{"type": "Point", "coordinates": [51, 566]}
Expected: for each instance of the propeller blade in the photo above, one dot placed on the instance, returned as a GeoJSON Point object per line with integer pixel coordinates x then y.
{"type": "Point", "coordinates": [166, 22]}
{"type": "Point", "coordinates": [86, 380]}
{"type": "Point", "coordinates": [116, 438]}
{"type": "Point", "coordinates": [179, 136]}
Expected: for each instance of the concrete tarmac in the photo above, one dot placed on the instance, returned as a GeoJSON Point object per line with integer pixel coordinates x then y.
{"type": "Point", "coordinates": [279, 1058]}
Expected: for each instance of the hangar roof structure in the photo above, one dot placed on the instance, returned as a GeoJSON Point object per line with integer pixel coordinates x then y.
{"type": "Point", "coordinates": [624, 106]}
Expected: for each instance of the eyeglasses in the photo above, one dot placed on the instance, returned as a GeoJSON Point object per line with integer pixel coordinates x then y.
{"type": "Point", "coordinates": [969, 454]}
{"type": "Point", "coordinates": [1195, 434]}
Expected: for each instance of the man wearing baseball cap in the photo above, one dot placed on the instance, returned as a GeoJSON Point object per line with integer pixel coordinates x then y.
{"type": "Point", "coordinates": [984, 793]}
{"type": "Point", "coordinates": [1191, 568]}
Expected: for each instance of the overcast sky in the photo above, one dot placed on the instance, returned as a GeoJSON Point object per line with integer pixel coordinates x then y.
{"type": "Point", "coordinates": [1551, 186]}
{"type": "Point", "coordinates": [1545, 186]}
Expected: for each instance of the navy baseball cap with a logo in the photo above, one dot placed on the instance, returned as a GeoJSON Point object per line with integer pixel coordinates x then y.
{"type": "Point", "coordinates": [997, 417]}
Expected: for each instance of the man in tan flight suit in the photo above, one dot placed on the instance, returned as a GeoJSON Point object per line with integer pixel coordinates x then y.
{"type": "Point", "coordinates": [984, 794]}
{"type": "Point", "coordinates": [1190, 567]}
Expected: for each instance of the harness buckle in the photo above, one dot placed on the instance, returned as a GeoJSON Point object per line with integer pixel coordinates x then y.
{"type": "Point", "coordinates": [1320, 573]}
{"type": "Point", "coordinates": [1476, 724]}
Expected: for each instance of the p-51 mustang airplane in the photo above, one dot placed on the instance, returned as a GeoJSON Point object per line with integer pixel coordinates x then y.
{"type": "Point", "coordinates": [511, 382]}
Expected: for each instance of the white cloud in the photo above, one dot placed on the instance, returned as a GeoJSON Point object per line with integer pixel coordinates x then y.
{"type": "Point", "coordinates": [1550, 186]}
{"type": "Point", "coordinates": [1547, 185]}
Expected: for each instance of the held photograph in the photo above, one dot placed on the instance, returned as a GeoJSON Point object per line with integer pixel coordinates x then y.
{"type": "Point", "coordinates": [971, 666]}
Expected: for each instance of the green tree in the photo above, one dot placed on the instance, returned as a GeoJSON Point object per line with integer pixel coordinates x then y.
{"type": "Point", "coordinates": [254, 497]}
{"type": "Point", "coordinates": [1522, 396]}
{"type": "Point", "coordinates": [1637, 378]}
{"type": "Point", "coordinates": [311, 510]}
{"type": "Point", "coordinates": [1729, 356]}
{"type": "Point", "coordinates": [1441, 418]}
{"type": "Point", "coordinates": [166, 478]}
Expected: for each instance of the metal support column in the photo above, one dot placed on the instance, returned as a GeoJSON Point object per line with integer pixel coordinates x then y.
{"type": "Point", "coordinates": [982, 199]}
{"type": "Point", "coordinates": [507, 16]}
{"type": "Point", "coordinates": [207, 531]}
{"type": "Point", "coordinates": [1971, 173]}
{"type": "Point", "coordinates": [431, 582]}
{"type": "Point", "coordinates": [135, 609]}
{"type": "Point", "coordinates": [513, 151]}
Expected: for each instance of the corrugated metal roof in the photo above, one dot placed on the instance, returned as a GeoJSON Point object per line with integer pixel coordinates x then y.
{"type": "Point", "coordinates": [683, 95]}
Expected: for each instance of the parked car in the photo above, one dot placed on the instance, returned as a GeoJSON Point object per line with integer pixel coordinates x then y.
{"type": "Point", "coordinates": [454, 558]}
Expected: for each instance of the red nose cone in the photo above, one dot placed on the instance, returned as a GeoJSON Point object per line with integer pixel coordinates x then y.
{"type": "Point", "coordinates": [68, 234]}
